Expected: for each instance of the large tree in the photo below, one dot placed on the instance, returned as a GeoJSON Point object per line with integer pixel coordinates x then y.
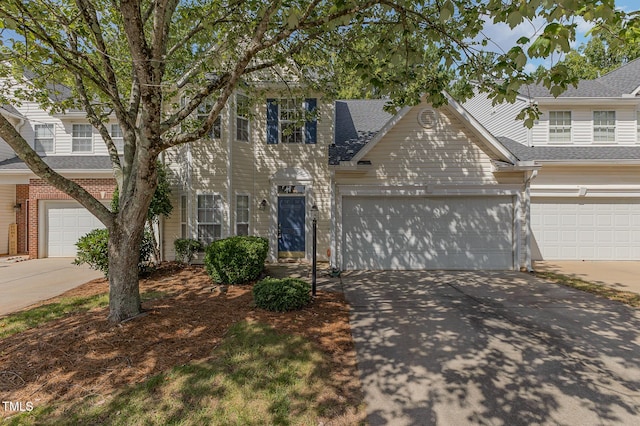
{"type": "Point", "coordinates": [131, 58]}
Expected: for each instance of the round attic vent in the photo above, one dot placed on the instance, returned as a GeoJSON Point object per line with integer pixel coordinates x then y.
{"type": "Point", "coordinates": [427, 118]}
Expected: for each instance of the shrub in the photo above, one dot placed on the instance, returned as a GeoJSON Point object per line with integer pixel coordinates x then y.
{"type": "Point", "coordinates": [186, 248]}
{"type": "Point", "coordinates": [93, 249]}
{"type": "Point", "coordinates": [281, 295]}
{"type": "Point", "coordinates": [236, 260]}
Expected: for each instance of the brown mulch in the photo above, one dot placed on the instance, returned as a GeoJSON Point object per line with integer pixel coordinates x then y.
{"type": "Point", "coordinates": [82, 355]}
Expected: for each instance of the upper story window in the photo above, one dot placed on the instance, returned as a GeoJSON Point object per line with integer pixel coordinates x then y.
{"type": "Point", "coordinates": [242, 117]}
{"type": "Point", "coordinates": [43, 137]}
{"type": "Point", "coordinates": [242, 214]}
{"type": "Point", "coordinates": [604, 126]}
{"type": "Point", "coordinates": [117, 137]}
{"type": "Point", "coordinates": [560, 126]}
{"type": "Point", "coordinates": [291, 121]}
{"type": "Point", "coordinates": [209, 218]}
{"type": "Point", "coordinates": [203, 112]}
{"type": "Point", "coordinates": [291, 124]}
{"type": "Point", "coordinates": [82, 138]}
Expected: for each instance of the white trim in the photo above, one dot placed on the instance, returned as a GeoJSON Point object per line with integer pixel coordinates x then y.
{"type": "Point", "coordinates": [222, 212]}
{"type": "Point", "coordinates": [91, 151]}
{"type": "Point", "coordinates": [590, 191]}
{"type": "Point", "coordinates": [586, 100]}
{"type": "Point", "coordinates": [235, 211]}
{"type": "Point", "coordinates": [427, 191]}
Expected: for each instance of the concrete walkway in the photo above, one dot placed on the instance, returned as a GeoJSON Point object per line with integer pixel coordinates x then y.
{"type": "Point", "coordinates": [25, 283]}
{"type": "Point", "coordinates": [458, 348]}
{"type": "Point", "coordinates": [619, 275]}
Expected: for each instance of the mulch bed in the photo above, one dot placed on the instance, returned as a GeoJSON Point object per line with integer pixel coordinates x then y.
{"type": "Point", "coordinates": [82, 355]}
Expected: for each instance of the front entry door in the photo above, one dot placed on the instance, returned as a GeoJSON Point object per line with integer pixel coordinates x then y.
{"type": "Point", "coordinates": [291, 212]}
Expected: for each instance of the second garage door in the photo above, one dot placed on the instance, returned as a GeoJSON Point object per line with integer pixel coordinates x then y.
{"type": "Point", "coordinates": [66, 223]}
{"type": "Point", "coordinates": [585, 229]}
{"type": "Point", "coordinates": [409, 233]}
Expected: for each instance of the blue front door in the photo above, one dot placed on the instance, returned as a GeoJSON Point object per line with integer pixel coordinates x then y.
{"type": "Point", "coordinates": [291, 213]}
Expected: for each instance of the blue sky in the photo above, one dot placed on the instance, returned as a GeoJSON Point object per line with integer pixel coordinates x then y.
{"type": "Point", "coordinates": [505, 38]}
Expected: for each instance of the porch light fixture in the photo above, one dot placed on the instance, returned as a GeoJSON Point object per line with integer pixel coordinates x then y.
{"type": "Point", "coordinates": [262, 205]}
{"type": "Point", "coordinates": [314, 265]}
{"type": "Point", "coordinates": [17, 207]}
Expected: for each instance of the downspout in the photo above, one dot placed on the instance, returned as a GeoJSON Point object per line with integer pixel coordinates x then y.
{"type": "Point", "coordinates": [332, 222]}
{"type": "Point", "coordinates": [527, 213]}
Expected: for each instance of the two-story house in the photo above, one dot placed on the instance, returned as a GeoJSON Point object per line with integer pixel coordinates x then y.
{"type": "Point", "coordinates": [423, 188]}
{"type": "Point", "coordinates": [585, 199]}
{"type": "Point", "coordinates": [48, 221]}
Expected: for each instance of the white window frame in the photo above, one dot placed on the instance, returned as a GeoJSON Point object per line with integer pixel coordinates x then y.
{"type": "Point", "coordinates": [81, 140]}
{"type": "Point", "coordinates": [184, 216]}
{"type": "Point", "coordinates": [118, 141]}
{"type": "Point", "coordinates": [638, 126]}
{"type": "Point", "coordinates": [247, 209]}
{"type": "Point", "coordinates": [560, 123]}
{"type": "Point", "coordinates": [203, 112]}
{"type": "Point", "coordinates": [37, 144]}
{"type": "Point", "coordinates": [242, 121]}
{"type": "Point", "coordinates": [290, 114]}
{"type": "Point", "coordinates": [216, 216]}
{"type": "Point", "coordinates": [604, 124]}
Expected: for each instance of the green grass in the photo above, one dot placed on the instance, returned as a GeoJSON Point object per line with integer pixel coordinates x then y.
{"type": "Point", "coordinates": [626, 297]}
{"type": "Point", "coordinates": [24, 320]}
{"type": "Point", "coordinates": [257, 376]}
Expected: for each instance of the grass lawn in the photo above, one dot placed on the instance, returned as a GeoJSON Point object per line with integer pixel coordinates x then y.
{"type": "Point", "coordinates": [626, 297]}
{"type": "Point", "coordinates": [196, 357]}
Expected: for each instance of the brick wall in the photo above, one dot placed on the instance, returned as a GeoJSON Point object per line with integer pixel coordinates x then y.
{"type": "Point", "coordinates": [22, 195]}
{"type": "Point", "coordinates": [37, 190]}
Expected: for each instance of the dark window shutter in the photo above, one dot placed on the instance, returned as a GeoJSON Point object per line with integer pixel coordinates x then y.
{"type": "Point", "coordinates": [272, 121]}
{"type": "Point", "coordinates": [310, 126]}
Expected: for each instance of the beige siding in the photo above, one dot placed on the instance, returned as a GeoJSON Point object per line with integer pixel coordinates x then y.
{"type": "Point", "coordinates": [7, 215]}
{"type": "Point", "coordinates": [411, 155]}
{"type": "Point", "coordinates": [551, 175]}
{"type": "Point", "coordinates": [312, 158]}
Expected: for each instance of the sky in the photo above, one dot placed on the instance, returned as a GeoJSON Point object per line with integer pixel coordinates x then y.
{"type": "Point", "coordinates": [504, 38]}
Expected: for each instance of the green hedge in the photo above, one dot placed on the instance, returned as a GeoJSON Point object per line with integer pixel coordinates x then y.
{"type": "Point", "coordinates": [236, 260]}
{"type": "Point", "coordinates": [93, 249]}
{"type": "Point", "coordinates": [185, 249]}
{"type": "Point", "coordinates": [281, 295]}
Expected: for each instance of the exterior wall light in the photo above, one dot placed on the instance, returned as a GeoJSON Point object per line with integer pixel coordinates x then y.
{"type": "Point", "coordinates": [17, 207]}
{"type": "Point", "coordinates": [263, 205]}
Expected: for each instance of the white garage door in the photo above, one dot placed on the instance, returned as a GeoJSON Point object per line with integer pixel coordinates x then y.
{"type": "Point", "coordinates": [65, 225]}
{"type": "Point", "coordinates": [427, 233]}
{"type": "Point", "coordinates": [585, 229]}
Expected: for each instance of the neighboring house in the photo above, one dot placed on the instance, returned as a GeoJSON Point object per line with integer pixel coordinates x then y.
{"type": "Point", "coordinates": [49, 221]}
{"type": "Point", "coordinates": [586, 196]}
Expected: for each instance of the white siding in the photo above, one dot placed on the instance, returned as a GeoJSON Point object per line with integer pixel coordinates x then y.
{"type": "Point", "coordinates": [499, 120]}
{"type": "Point", "coordinates": [7, 214]}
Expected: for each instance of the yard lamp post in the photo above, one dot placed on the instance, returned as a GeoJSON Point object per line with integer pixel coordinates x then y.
{"type": "Point", "coordinates": [314, 221]}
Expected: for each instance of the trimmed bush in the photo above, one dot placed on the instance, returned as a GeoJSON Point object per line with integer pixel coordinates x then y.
{"type": "Point", "coordinates": [185, 249]}
{"type": "Point", "coordinates": [281, 295]}
{"type": "Point", "coordinates": [236, 260]}
{"type": "Point", "coordinates": [93, 249]}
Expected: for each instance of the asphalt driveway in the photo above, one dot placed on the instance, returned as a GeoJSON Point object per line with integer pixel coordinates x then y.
{"type": "Point", "coordinates": [25, 283]}
{"type": "Point", "coordinates": [457, 348]}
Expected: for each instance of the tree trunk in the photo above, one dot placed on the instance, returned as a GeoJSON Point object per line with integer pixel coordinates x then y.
{"type": "Point", "coordinates": [124, 253]}
{"type": "Point", "coordinates": [156, 248]}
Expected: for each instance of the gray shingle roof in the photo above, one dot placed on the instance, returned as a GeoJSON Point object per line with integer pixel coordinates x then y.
{"type": "Point", "coordinates": [569, 153]}
{"type": "Point", "coordinates": [62, 162]}
{"type": "Point", "coordinates": [616, 83]}
{"type": "Point", "coordinates": [357, 123]}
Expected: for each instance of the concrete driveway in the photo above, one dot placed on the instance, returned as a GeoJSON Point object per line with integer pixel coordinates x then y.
{"type": "Point", "coordinates": [623, 275]}
{"type": "Point", "coordinates": [457, 348]}
{"type": "Point", "coordinates": [25, 283]}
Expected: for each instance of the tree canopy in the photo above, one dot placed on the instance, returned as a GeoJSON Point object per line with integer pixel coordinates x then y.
{"type": "Point", "coordinates": [132, 58]}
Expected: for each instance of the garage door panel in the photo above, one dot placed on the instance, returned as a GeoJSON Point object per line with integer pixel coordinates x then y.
{"type": "Point", "coordinates": [427, 233]}
{"type": "Point", "coordinates": [65, 224]}
{"type": "Point", "coordinates": [604, 229]}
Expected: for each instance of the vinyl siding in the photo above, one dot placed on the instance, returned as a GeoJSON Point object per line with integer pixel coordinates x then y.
{"type": "Point", "coordinates": [582, 125]}
{"type": "Point", "coordinates": [411, 155]}
{"type": "Point", "coordinates": [5, 151]}
{"type": "Point", "coordinates": [564, 175]}
{"type": "Point", "coordinates": [7, 215]}
{"type": "Point", "coordinates": [499, 120]}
